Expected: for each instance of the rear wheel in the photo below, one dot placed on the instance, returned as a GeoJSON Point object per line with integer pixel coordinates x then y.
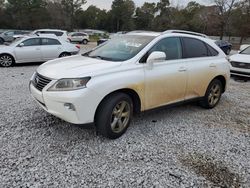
{"type": "Point", "coordinates": [213, 94]}
{"type": "Point", "coordinates": [64, 54]}
{"type": "Point", "coordinates": [114, 115]}
{"type": "Point", "coordinates": [85, 41]}
{"type": "Point", "coordinates": [6, 60]}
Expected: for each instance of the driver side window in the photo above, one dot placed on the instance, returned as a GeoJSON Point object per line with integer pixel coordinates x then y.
{"type": "Point", "coordinates": [171, 46]}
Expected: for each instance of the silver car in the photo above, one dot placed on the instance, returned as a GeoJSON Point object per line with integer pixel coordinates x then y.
{"type": "Point", "coordinates": [9, 36]}
{"type": "Point", "coordinates": [35, 49]}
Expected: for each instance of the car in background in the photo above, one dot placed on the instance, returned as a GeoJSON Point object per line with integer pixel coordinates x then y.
{"type": "Point", "coordinates": [224, 45]}
{"type": "Point", "coordinates": [244, 46]}
{"type": "Point", "coordinates": [11, 35]}
{"type": "Point", "coordinates": [79, 37]}
{"type": "Point", "coordinates": [129, 74]}
{"type": "Point", "coordinates": [35, 49]}
{"type": "Point", "coordinates": [62, 34]}
{"type": "Point", "coordinates": [240, 63]}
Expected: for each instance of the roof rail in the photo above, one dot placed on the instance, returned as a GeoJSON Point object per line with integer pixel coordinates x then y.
{"type": "Point", "coordinates": [186, 32]}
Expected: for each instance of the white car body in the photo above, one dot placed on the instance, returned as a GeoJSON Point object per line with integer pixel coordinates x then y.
{"type": "Point", "coordinates": [155, 84]}
{"type": "Point", "coordinates": [39, 52]}
{"type": "Point", "coordinates": [240, 64]}
{"type": "Point", "coordinates": [61, 34]}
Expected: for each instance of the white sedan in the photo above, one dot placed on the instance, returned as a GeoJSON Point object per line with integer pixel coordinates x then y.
{"type": "Point", "coordinates": [240, 63]}
{"type": "Point", "coordinates": [35, 49]}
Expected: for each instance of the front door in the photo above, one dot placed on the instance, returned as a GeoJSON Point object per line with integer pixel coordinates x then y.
{"type": "Point", "coordinates": [165, 82]}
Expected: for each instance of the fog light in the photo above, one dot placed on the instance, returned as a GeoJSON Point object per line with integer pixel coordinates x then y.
{"type": "Point", "coordinates": [69, 106]}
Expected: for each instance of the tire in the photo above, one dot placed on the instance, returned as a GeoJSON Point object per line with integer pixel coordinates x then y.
{"type": "Point", "coordinates": [1, 41]}
{"type": "Point", "coordinates": [6, 60]}
{"type": "Point", "coordinates": [114, 115]}
{"type": "Point", "coordinates": [64, 54]}
{"type": "Point", "coordinates": [85, 41]}
{"type": "Point", "coordinates": [213, 94]}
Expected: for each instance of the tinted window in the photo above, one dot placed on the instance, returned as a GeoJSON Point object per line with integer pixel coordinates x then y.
{"type": "Point", "coordinates": [170, 46]}
{"type": "Point", "coordinates": [194, 48]}
{"type": "Point", "coordinates": [50, 42]}
{"type": "Point", "coordinates": [57, 33]}
{"type": "Point", "coordinates": [31, 42]}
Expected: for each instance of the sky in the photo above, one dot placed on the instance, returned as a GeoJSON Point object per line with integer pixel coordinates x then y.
{"type": "Point", "coordinates": [106, 4]}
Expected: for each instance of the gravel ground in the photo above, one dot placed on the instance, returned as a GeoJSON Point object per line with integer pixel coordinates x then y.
{"type": "Point", "coordinates": [184, 146]}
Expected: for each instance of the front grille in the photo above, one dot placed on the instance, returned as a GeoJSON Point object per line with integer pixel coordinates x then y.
{"type": "Point", "coordinates": [40, 81]}
{"type": "Point", "coordinates": [240, 65]}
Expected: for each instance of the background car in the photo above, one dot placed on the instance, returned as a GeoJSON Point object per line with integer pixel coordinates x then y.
{"type": "Point", "coordinates": [224, 45]}
{"type": "Point", "coordinates": [79, 37]}
{"type": "Point", "coordinates": [240, 63]}
{"type": "Point", "coordinates": [10, 35]}
{"type": "Point", "coordinates": [35, 49]}
{"type": "Point", "coordinates": [62, 34]}
{"type": "Point", "coordinates": [244, 46]}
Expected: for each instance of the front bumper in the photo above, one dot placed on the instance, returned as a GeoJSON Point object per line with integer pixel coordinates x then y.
{"type": "Point", "coordinates": [84, 101]}
{"type": "Point", "coordinates": [240, 72]}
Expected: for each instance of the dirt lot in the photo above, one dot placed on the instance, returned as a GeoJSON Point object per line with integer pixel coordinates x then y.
{"type": "Point", "coordinates": [184, 146]}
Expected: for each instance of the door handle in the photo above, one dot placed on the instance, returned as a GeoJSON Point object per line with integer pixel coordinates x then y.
{"type": "Point", "coordinates": [212, 65]}
{"type": "Point", "coordinates": [182, 69]}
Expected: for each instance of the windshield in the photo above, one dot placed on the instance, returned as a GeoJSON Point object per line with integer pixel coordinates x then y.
{"type": "Point", "coordinates": [120, 48]}
{"type": "Point", "coordinates": [246, 51]}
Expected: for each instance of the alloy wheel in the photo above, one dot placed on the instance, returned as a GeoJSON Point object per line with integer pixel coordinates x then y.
{"type": "Point", "coordinates": [214, 95]}
{"type": "Point", "coordinates": [6, 61]}
{"type": "Point", "coordinates": [120, 116]}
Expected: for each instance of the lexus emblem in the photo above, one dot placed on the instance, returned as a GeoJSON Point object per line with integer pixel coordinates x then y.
{"type": "Point", "coordinates": [36, 79]}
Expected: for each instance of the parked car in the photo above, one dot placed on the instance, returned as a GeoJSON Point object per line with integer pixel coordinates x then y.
{"type": "Point", "coordinates": [35, 49]}
{"type": "Point", "coordinates": [240, 63]}
{"type": "Point", "coordinates": [129, 74]}
{"type": "Point", "coordinates": [59, 33]}
{"type": "Point", "coordinates": [79, 37]}
{"type": "Point", "coordinates": [225, 46]}
{"type": "Point", "coordinates": [244, 46]}
{"type": "Point", "coordinates": [10, 35]}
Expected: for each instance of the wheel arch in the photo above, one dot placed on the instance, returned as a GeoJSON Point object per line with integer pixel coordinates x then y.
{"type": "Point", "coordinates": [131, 93]}
{"type": "Point", "coordinates": [223, 81]}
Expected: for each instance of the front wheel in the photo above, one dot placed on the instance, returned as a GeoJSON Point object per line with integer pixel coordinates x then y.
{"type": "Point", "coordinates": [114, 115]}
{"type": "Point", "coordinates": [213, 94]}
{"type": "Point", "coordinates": [6, 60]}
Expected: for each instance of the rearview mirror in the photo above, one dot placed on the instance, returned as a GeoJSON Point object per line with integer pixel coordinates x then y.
{"type": "Point", "coordinates": [21, 45]}
{"type": "Point", "coordinates": [156, 56]}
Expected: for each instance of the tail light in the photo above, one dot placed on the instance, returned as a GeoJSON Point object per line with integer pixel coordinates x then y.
{"type": "Point", "coordinates": [78, 46]}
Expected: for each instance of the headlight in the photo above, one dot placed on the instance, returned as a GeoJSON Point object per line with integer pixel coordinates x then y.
{"type": "Point", "coordinates": [69, 84]}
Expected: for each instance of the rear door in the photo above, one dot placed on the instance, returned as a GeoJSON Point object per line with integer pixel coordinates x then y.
{"type": "Point", "coordinates": [201, 64]}
{"type": "Point", "coordinates": [30, 51]}
{"type": "Point", "coordinates": [50, 49]}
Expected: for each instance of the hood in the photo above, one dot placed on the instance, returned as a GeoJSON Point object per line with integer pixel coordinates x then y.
{"type": "Point", "coordinates": [74, 66]}
{"type": "Point", "coordinates": [244, 58]}
{"type": "Point", "coordinates": [5, 48]}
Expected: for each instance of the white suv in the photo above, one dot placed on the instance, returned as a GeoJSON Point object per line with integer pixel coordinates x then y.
{"type": "Point", "coordinates": [128, 74]}
{"type": "Point", "coordinates": [78, 37]}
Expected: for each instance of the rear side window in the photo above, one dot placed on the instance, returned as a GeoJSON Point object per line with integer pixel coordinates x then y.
{"type": "Point", "coordinates": [46, 41]}
{"type": "Point", "coordinates": [212, 51]}
{"type": "Point", "coordinates": [194, 48]}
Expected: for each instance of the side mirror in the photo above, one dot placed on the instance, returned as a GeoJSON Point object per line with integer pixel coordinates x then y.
{"type": "Point", "coordinates": [156, 56]}
{"type": "Point", "coordinates": [21, 45]}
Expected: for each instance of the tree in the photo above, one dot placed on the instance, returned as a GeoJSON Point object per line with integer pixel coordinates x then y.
{"type": "Point", "coordinates": [71, 7]}
{"type": "Point", "coordinates": [122, 11]}
{"type": "Point", "coordinates": [145, 15]}
{"type": "Point", "coordinates": [225, 9]}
